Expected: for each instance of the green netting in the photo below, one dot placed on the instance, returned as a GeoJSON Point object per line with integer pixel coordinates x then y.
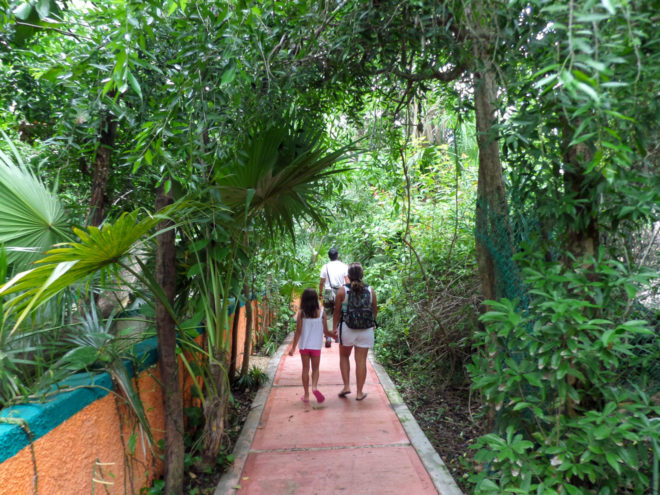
{"type": "Point", "coordinates": [495, 231]}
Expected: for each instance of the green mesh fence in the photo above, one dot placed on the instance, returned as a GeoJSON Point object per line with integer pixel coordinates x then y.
{"type": "Point", "coordinates": [493, 230]}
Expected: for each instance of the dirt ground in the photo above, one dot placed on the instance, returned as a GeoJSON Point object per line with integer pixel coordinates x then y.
{"type": "Point", "coordinates": [447, 417]}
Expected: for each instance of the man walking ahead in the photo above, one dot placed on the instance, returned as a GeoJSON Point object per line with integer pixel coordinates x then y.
{"type": "Point", "coordinates": [333, 275]}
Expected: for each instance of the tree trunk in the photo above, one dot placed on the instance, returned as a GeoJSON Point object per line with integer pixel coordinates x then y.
{"type": "Point", "coordinates": [247, 348]}
{"type": "Point", "coordinates": [169, 367]}
{"type": "Point", "coordinates": [582, 235]}
{"type": "Point", "coordinates": [215, 407]}
{"type": "Point", "coordinates": [493, 240]}
{"type": "Point", "coordinates": [101, 172]}
{"type": "Point", "coordinates": [493, 229]}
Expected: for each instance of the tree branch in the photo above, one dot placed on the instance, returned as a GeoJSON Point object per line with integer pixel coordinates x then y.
{"type": "Point", "coordinates": [48, 28]}
{"type": "Point", "coordinates": [443, 76]}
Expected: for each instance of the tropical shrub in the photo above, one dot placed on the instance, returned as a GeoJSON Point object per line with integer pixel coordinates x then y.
{"type": "Point", "coordinates": [568, 381]}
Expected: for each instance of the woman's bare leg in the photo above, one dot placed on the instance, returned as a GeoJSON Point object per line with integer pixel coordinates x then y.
{"type": "Point", "coordinates": [360, 369]}
{"type": "Point", "coordinates": [345, 366]}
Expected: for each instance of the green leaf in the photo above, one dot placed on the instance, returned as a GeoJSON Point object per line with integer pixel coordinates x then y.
{"type": "Point", "coordinates": [228, 75]}
{"type": "Point", "coordinates": [534, 379]}
{"type": "Point", "coordinates": [134, 84]}
{"type": "Point", "coordinates": [629, 456]}
{"type": "Point", "coordinates": [132, 440]}
{"type": "Point", "coordinates": [602, 432]}
{"type": "Point", "coordinates": [591, 92]}
{"type": "Point", "coordinates": [545, 81]}
{"type": "Point", "coordinates": [23, 11]}
{"type": "Point", "coordinates": [43, 8]}
{"type": "Point", "coordinates": [488, 485]}
{"type": "Point", "coordinates": [613, 460]}
{"type": "Point", "coordinates": [608, 6]}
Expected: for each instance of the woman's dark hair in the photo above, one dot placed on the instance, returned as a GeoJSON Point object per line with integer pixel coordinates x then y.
{"type": "Point", "coordinates": [355, 275]}
{"type": "Point", "coordinates": [309, 303]}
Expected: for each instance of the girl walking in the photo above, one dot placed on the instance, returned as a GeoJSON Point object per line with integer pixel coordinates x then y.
{"type": "Point", "coordinates": [311, 327]}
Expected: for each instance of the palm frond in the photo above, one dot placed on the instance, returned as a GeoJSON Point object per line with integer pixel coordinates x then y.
{"type": "Point", "coordinates": [98, 250]}
{"type": "Point", "coordinates": [31, 217]}
{"type": "Point", "coordinates": [276, 176]}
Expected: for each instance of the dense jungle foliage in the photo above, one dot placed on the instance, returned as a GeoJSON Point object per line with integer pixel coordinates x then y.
{"type": "Point", "coordinates": [492, 164]}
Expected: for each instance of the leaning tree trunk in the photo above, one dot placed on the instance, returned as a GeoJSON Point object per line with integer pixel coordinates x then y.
{"type": "Point", "coordinates": [169, 367]}
{"type": "Point", "coordinates": [101, 173]}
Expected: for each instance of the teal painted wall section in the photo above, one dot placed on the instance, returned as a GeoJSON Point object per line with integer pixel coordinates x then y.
{"type": "Point", "coordinates": [41, 418]}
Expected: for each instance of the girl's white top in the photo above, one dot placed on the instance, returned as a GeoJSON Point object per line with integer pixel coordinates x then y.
{"type": "Point", "coordinates": [311, 335]}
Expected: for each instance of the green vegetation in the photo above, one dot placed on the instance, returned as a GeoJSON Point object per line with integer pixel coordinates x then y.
{"type": "Point", "coordinates": [493, 165]}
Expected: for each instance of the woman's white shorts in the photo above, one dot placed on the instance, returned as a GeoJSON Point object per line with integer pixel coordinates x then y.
{"type": "Point", "coordinates": [357, 338]}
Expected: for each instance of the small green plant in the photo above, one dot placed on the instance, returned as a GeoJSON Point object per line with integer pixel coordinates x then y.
{"type": "Point", "coordinates": [158, 488]}
{"type": "Point", "coordinates": [253, 380]}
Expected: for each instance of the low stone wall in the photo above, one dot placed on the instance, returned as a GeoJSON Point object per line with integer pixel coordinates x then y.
{"type": "Point", "coordinates": [84, 439]}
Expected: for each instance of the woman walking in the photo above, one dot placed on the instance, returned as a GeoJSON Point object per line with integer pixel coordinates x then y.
{"type": "Point", "coordinates": [354, 320]}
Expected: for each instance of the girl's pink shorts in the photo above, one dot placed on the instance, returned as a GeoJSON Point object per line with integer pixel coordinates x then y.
{"type": "Point", "coordinates": [311, 352]}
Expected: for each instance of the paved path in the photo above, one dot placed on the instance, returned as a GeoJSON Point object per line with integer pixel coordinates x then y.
{"type": "Point", "coordinates": [344, 446]}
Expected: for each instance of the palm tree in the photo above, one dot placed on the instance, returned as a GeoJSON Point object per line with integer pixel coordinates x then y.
{"type": "Point", "coordinates": [272, 180]}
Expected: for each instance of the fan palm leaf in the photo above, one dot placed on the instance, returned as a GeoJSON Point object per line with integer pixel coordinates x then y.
{"type": "Point", "coordinates": [276, 177]}
{"type": "Point", "coordinates": [99, 250]}
{"type": "Point", "coordinates": [31, 217]}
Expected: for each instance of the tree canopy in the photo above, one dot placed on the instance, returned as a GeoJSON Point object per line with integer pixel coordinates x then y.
{"type": "Point", "coordinates": [500, 154]}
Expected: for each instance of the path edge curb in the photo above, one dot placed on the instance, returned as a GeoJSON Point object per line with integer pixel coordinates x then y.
{"type": "Point", "coordinates": [231, 479]}
{"type": "Point", "coordinates": [440, 476]}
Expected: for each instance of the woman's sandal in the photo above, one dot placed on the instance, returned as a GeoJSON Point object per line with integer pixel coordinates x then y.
{"type": "Point", "coordinates": [364, 396]}
{"type": "Point", "coordinates": [306, 401]}
{"type": "Point", "coordinates": [343, 394]}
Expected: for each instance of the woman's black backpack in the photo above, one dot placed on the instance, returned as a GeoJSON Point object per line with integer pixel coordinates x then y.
{"type": "Point", "coordinates": [357, 311]}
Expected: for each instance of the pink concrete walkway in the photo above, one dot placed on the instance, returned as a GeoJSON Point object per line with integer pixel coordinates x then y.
{"type": "Point", "coordinates": [339, 446]}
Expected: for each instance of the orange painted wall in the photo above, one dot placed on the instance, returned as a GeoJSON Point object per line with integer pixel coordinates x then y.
{"type": "Point", "coordinates": [258, 313]}
{"type": "Point", "coordinates": [87, 451]}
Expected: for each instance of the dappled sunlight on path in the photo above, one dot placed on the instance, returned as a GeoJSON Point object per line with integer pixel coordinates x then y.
{"type": "Point", "coordinates": [338, 446]}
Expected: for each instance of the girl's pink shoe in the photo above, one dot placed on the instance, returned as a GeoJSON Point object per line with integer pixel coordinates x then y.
{"type": "Point", "coordinates": [304, 400]}
{"type": "Point", "coordinates": [319, 396]}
